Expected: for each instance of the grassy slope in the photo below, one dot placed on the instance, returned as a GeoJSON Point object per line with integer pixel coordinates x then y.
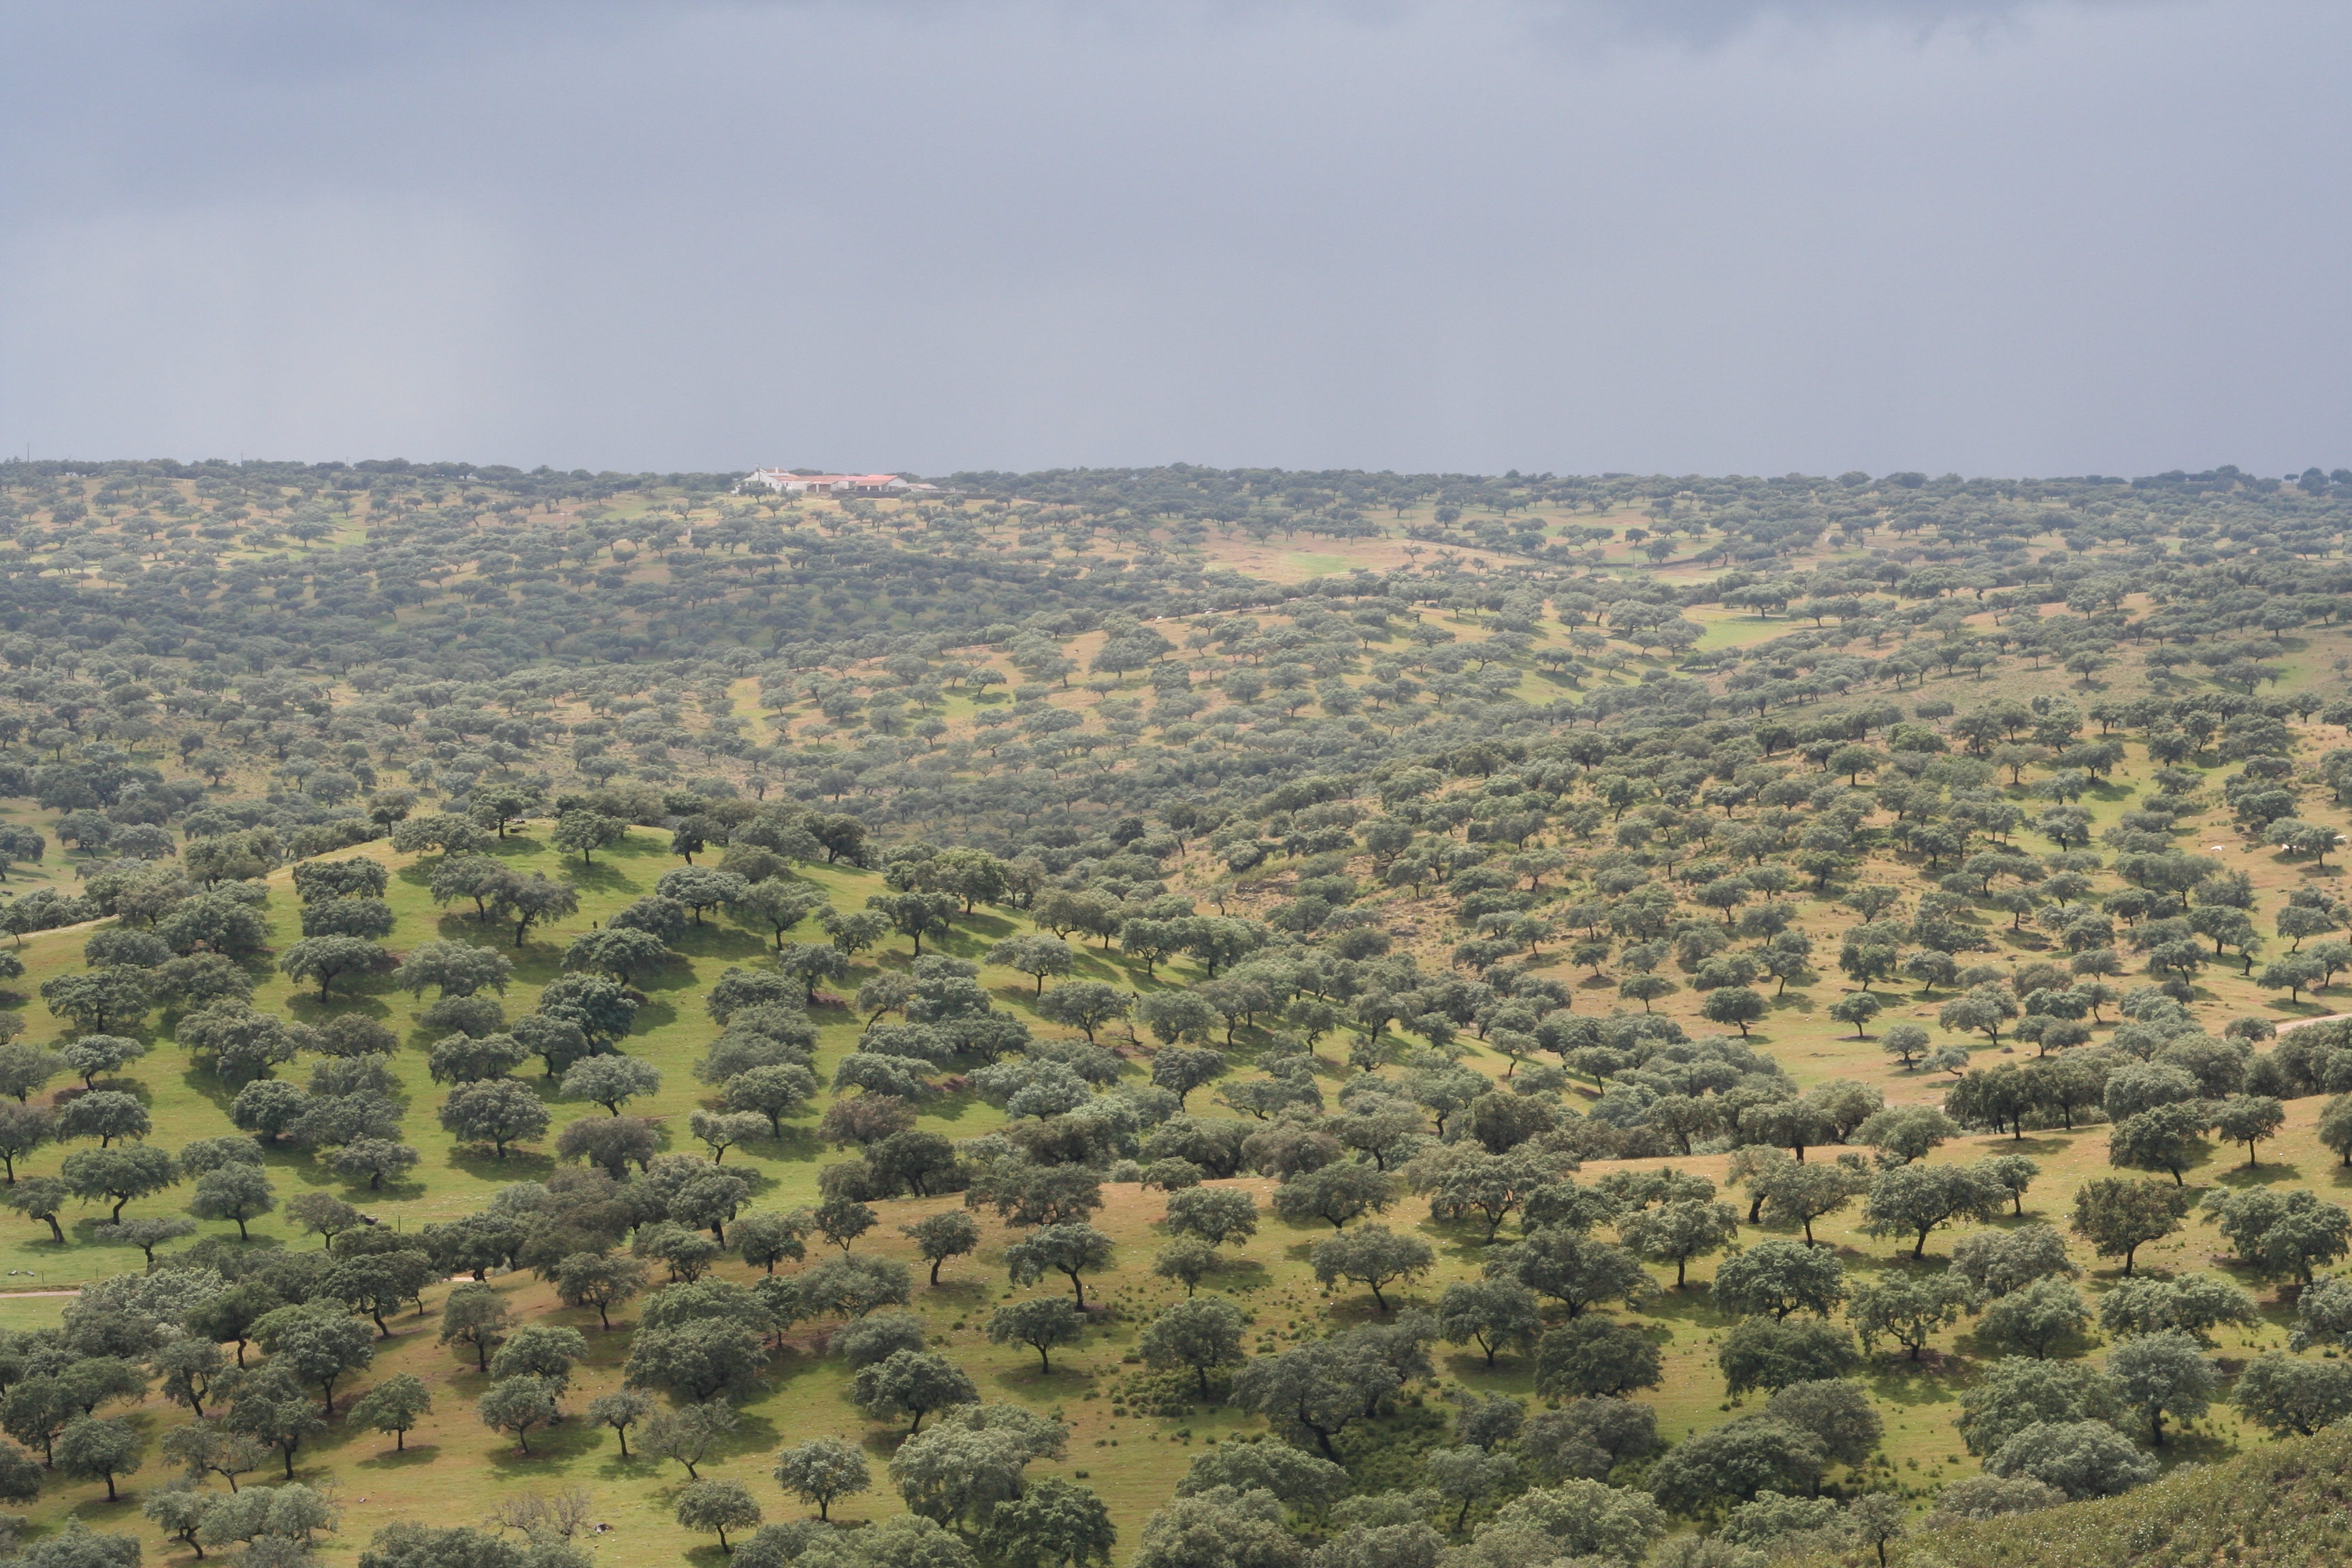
{"type": "Point", "coordinates": [457, 1468]}
{"type": "Point", "coordinates": [806, 1396]}
{"type": "Point", "coordinates": [2285, 1503]}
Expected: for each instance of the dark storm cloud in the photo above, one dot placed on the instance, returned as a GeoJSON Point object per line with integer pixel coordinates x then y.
{"type": "Point", "coordinates": [935, 233]}
{"type": "Point", "coordinates": [1708, 22]}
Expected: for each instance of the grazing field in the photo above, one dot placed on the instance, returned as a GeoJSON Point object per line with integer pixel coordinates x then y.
{"type": "Point", "coordinates": [1413, 990]}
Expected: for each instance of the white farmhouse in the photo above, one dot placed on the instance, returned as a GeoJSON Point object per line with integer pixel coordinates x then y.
{"type": "Point", "coordinates": [787, 482]}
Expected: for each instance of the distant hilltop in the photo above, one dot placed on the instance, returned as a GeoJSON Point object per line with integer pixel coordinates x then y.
{"type": "Point", "coordinates": [794, 481]}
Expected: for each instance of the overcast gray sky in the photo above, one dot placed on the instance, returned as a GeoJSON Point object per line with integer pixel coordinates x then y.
{"type": "Point", "coordinates": [2083, 235]}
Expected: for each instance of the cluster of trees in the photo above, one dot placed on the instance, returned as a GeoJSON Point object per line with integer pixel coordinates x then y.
{"type": "Point", "coordinates": [1409, 854]}
{"type": "Point", "coordinates": [450, 623]}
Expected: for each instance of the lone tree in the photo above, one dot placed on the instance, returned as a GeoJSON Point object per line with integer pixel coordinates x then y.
{"type": "Point", "coordinates": [1593, 1357]}
{"type": "Point", "coordinates": [1183, 1069]}
{"type": "Point", "coordinates": [2118, 1215]}
{"type": "Point", "coordinates": [584, 833]}
{"type": "Point", "coordinates": [1215, 1215]}
{"type": "Point", "coordinates": [1908, 1312]}
{"type": "Point", "coordinates": [1035, 956]}
{"type": "Point", "coordinates": [238, 1192]}
{"type": "Point", "coordinates": [95, 1448]}
{"type": "Point", "coordinates": [620, 1409]}
{"type": "Point", "coordinates": [1373, 1255]}
{"type": "Point", "coordinates": [911, 1383]}
{"type": "Point", "coordinates": [1086, 1005]}
{"type": "Point", "coordinates": [1679, 1231]}
{"type": "Point", "coordinates": [497, 1111]}
{"type": "Point", "coordinates": [2249, 1119]}
{"type": "Point", "coordinates": [1489, 1313]}
{"type": "Point", "coordinates": [327, 959]}
{"type": "Point", "coordinates": [940, 1236]}
{"type": "Point", "coordinates": [1198, 1333]}
{"type": "Point", "coordinates": [617, 950]}
{"type": "Point", "coordinates": [915, 915]}
{"type": "Point", "coordinates": [132, 1170]}
{"type": "Point", "coordinates": [688, 1433]}
{"type": "Point", "coordinates": [2276, 1232]}
{"type": "Point", "coordinates": [316, 1344]}
{"type": "Point", "coordinates": [517, 1404]}
{"type": "Point", "coordinates": [719, 1507]}
{"type": "Point", "coordinates": [2288, 1395]}
{"type": "Point", "coordinates": [1779, 1277]}
{"type": "Point", "coordinates": [40, 1198]}
{"type": "Point", "coordinates": [475, 1316]}
{"type": "Point", "coordinates": [611, 1081]}
{"type": "Point", "coordinates": [1070, 1250]}
{"type": "Point", "coordinates": [2164, 1374]}
{"type": "Point", "coordinates": [1315, 1390]}
{"type": "Point", "coordinates": [2167, 1138]}
{"type": "Point", "coordinates": [1734, 1005]}
{"type": "Point", "coordinates": [1912, 1200]}
{"type": "Point", "coordinates": [1041, 1322]}
{"type": "Point", "coordinates": [395, 1406]}
{"type": "Point", "coordinates": [1335, 1194]}
{"type": "Point", "coordinates": [322, 1215]}
{"type": "Point", "coordinates": [1052, 1521]}
{"type": "Point", "coordinates": [822, 1470]}
{"type": "Point", "coordinates": [523, 902]}
{"type": "Point", "coordinates": [1858, 1010]}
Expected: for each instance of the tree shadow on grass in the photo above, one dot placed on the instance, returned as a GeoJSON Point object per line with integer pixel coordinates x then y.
{"type": "Point", "coordinates": [409, 1458]}
{"type": "Point", "coordinates": [1094, 964]}
{"type": "Point", "coordinates": [637, 848]}
{"type": "Point", "coordinates": [2267, 1174]}
{"type": "Point", "coordinates": [1693, 1307]}
{"type": "Point", "coordinates": [635, 1466]}
{"type": "Point", "coordinates": [600, 878]}
{"type": "Point", "coordinates": [957, 943]}
{"type": "Point", "coordinates": [671, 976]}
{"type": "Point", "coordinates": [753, 1433]}
{"type": "Point", "coordinates": [1935, 1378]}
{"type": "Point", "coordinates": [797, 1144]}
{"type": "Point", "coordinates": [1240, 1276]}
{"type": "Point", "coordinates": [552, 1449]}
{"type": "Point", "coordinates": [1069, 1376]}
{"type": "Point", "coordinates": [535, 963]}
{"type": "Point", "coordinates": [207, 1087]}
{"type": "Point", "coordinates": [750, 1175]}
{"type": "Point", "coordinates": [963, 1295]}
{"type": "Point", "coordinates": [520, 1166]}
{"type": "Point", "coordinates": [721, 941]}
{"type": "Point", "coordinates": [267, 1245]}
{"type": "Point", "coordinates": [953, 1106]}
{"type": "Point", "coordinates": [1899, 1262]}
{"type": "Point", "coordinates": [369, 1001]}
{"type": "Point", "coordinates": [1470, 1365]}
{"type": "Point", "coordinates": [2187, 1448]}
{"type": "Point", "coordinates": [457, 923]}
{"type": "Point", "coordinates": [2037, 1148]}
